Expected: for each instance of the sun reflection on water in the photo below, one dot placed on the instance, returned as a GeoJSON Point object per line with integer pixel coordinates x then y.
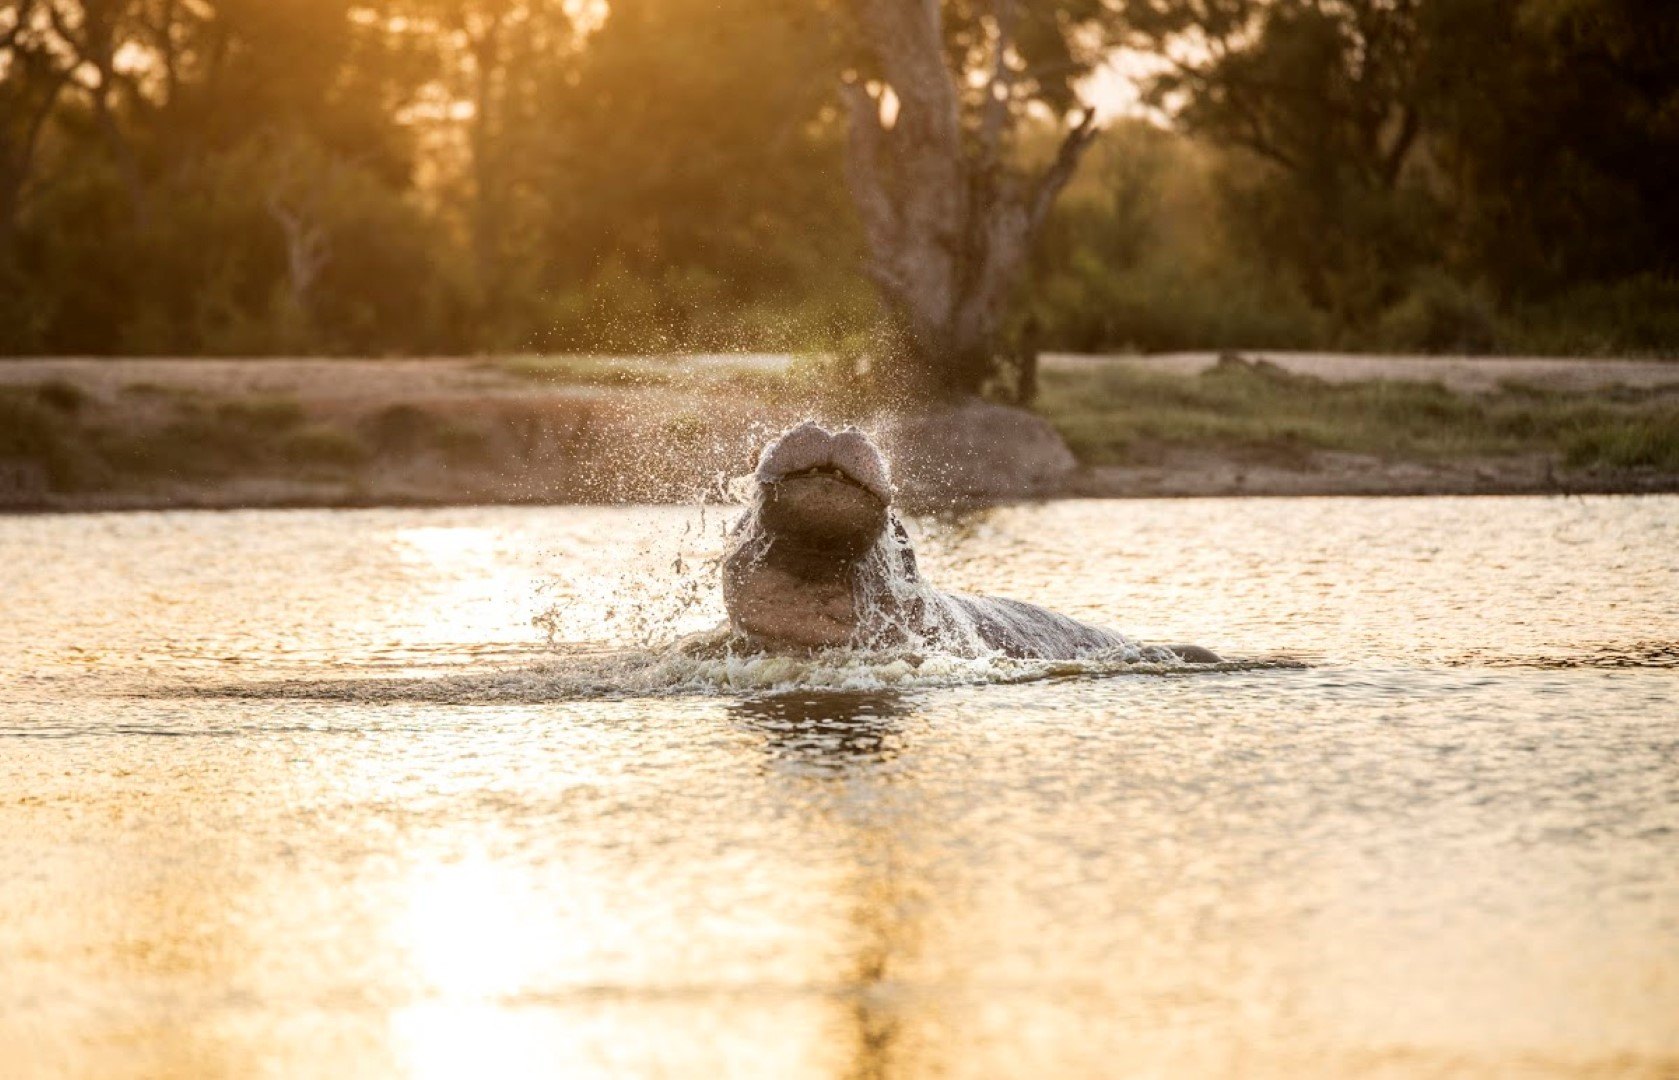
{"type": "Point", "coordinates": [472, 931]}
{"type": "Point", "coordinates": [1446, 849]}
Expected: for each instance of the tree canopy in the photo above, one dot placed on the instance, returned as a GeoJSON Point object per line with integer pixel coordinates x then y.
{"type": "Point", "coordinates": [421, 176]}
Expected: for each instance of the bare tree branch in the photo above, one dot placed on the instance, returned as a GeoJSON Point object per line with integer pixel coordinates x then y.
{"type": "Point", "coordinates": [1394, 159]}
{"type": "Point", "coordinates": [999, 90]}
{"type": "Point", "coordinates": [1060, 171]}
{"type": "Point", "coordinates": [296, 192]}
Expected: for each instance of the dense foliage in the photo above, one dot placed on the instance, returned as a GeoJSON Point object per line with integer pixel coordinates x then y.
{"type": "Point", "coordinates": [423, 176]}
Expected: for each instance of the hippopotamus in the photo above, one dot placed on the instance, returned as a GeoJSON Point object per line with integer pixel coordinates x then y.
{"type": "Point", "coordinates": [821, 560]}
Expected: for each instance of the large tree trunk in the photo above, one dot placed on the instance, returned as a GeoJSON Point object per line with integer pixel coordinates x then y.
{"type": "Point", "coordinates": [948, 224]}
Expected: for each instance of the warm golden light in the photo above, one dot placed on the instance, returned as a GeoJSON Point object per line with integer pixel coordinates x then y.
{"type": "Point", "coordinates": [1440, 848]}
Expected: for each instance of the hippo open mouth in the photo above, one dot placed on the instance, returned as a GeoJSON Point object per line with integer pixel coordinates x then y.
{"type": "Point", "coordinates": [810, 451]}
{"type": "Point", "coordinates": [829, 472]}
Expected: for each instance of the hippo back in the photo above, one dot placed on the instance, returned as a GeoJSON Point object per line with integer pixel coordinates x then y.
{"type": "Point", "coordinates": [1032, 632]}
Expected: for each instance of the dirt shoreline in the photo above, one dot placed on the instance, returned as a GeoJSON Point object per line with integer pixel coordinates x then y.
{"type": "Point", "coordinates": [148, 434]}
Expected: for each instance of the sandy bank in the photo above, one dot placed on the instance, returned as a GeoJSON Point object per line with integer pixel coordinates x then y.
{"type": "Point", "coordinates": [87, 434]}
{"type": "Point", "coordinates": [382, 378]}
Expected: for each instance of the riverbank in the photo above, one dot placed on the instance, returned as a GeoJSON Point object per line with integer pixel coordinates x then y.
{"type": "Point", "coordinates": [157, 433]}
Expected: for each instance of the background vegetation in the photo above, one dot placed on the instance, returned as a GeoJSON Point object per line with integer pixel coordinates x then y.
{"type": "Point", "coordinates": [380, 177]}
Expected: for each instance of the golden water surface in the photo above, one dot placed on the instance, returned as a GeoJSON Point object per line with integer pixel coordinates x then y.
{"type": "Point", "coordinates": [309, 794]}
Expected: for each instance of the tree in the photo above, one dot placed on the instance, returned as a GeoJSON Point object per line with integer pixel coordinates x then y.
{"type": "Point", "coordinates": [1330, 97]}
{"type": "Point", "coordinates": [948, 210]}
{"type": "Point", "coordinates": [1557, 124]}
{"type": "Point", "coordinates": [133, 125]}
{"type": "Point", "coordinates": [691, 194]}
{"type": "Point", "coordinates": [1517, 145]}
{"type": "Point", "coordinates": [1309, 85]}
{"type": "Point", "coordinates": [31, 79]}
{"type": "Point", "coordinates": [492, 61]}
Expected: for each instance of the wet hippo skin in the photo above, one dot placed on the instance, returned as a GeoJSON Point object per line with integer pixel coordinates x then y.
{"type": "Point", "coordinates": [819, 560]}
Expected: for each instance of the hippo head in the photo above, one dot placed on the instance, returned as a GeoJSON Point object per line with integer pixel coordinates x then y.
{"type": "Point", "coordinates": [824, 491]}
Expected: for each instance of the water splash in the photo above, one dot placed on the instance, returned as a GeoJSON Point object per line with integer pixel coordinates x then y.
{"type": "Point", "coordinates": [896, 607]}
{"type": "Point", "coordinates": [716, 664]}
{"type": "Point", "coordinates": [661, 629]}
{"type": "Point", "coordinates": [668, 589]}
{"type": "Point", "coordinates": [910, 636]}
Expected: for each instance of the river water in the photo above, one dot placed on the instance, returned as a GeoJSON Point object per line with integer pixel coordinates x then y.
{"type": "Point", "coordinates": [426, 793]}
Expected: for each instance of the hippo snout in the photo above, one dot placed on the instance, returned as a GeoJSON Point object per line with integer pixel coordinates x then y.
{"type": "Point", "coordinates": [810, 448]}
{"type": "Point", "coordinates": [823, 510]}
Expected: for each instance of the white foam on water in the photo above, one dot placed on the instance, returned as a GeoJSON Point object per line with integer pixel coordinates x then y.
{"type": "Point", "coordinates": [721, 664]}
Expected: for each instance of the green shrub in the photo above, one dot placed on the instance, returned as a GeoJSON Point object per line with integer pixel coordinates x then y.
{"type": "Point", "coordinates": [1440, 315]}
{"type": "Point", "coordinates": [264, 414]}
{"type": "Point", "coordinates": [1650, 441]}
{"type": "Point", "coordinates": [323, 444]}
{"type": "Point", "coordinates": [1635, 316]}
{"type": "Point", "coordinates": [1119, 412]}
{"type": "Point", "coordinates": [196, 444]}
{"type": "Point", "coordinates": [593, 370]}
{"type": "Point", "coordinates": [36, 435]}
{"type": "Point", "coordinates": [401, 428]}
{"type": "Point", "coordinates": [209, 439]}
{"type": "Point", "coordinates": [63, 395]}
{"type": "Point", "coordinates": [463, 444]}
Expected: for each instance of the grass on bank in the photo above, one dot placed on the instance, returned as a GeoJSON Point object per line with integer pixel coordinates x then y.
{"type": "Point", "coordinates": [805, 377]}
{"type": "Point", "coordinates": [634, 371]}
{"type": "Point", "coordinates": [53, 431]}
{"type": "Point", "coordinates": [57, 437]}
{"type": "Point", "coordinates": [1258, 410]}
